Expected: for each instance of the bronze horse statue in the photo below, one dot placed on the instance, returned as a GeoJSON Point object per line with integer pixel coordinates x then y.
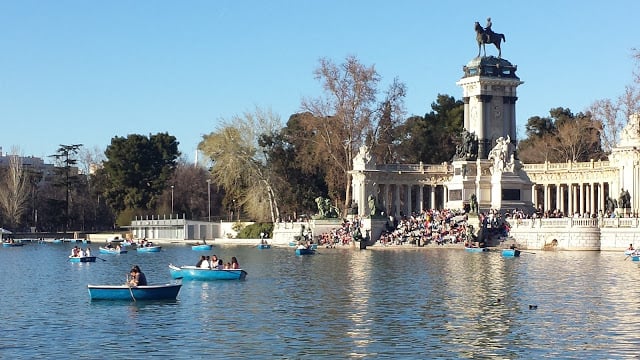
{"type": "Point", "coordinates": [483, 37]}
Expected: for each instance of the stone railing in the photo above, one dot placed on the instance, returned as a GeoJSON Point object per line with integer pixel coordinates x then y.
{"type": "Point", "coordinates": [439, 169]}
{"type": "Point", "coordinates": [566, 166]}
{"type": "Point", "coordinates": [576, 222]}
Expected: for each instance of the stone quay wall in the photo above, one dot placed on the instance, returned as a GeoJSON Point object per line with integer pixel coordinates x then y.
{"type": "Point", "coordinates": [576, 234]}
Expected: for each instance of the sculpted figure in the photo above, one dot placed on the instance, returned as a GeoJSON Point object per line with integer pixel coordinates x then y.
{"type": "Point", "coordinates": [487, 36]}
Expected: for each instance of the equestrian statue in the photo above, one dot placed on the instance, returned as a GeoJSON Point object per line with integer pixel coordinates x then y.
{"type": "Point", "coordinates": [487, 36]}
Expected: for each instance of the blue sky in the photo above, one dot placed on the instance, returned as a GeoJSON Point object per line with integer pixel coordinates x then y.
{"type": "Point", "coordinates": [86, 71]}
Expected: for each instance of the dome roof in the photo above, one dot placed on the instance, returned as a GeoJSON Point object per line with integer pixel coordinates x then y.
{"type": "Point", "coordinates": [490, 66]}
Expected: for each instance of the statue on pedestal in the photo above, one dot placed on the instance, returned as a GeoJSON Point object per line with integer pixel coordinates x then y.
{"type": "Point", "coordinates": [473, 204]}
{"type": "Point", "coordinates": [487, 36]}
{"type": "Point", "coordinates": [375, 210]}
{"type": "Point", "coordinates": [502, 155]}
{"type": "Point", "coordinates": [468, 147]}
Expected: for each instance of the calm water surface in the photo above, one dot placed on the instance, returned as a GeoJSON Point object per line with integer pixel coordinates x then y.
{"type": "Point", "coordinates": [339, 304]}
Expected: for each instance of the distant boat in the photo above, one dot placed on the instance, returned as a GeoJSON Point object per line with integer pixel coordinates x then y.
{"type": "Point", "coordinates": [196, 273]}
{"type": "Point", "coordinates": [149, 249]}
{"type": "Point", "coordinates": [79, 259]}
{"type": "Point", "coordinates": [201, 247]}
{"type": "Point", "coordinates": [134, 293]}
{"type": "Point", "coordinates": [11, 244]}
{"type": "Point", "coordinates": [57, 241]}
{"type": "Point", "coordinates": [510, 252]}
{"type": "Point", "coordinates": [630, 252]}
{"type": "Point", "coordinates": [263, 246]}
{"type": "Point", "coordinates": [635, 258]}
{"type": "Point", "coordinates": [104, 250]}
{"type": "Point", "coordinates": [305, 251]}
{"type": "Point", "coordinates": [475, 249]}
{"type": "Point", "coordinates": [293, 243]}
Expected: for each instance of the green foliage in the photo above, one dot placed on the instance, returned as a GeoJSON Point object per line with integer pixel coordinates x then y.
{"type": "Point", "coordinates": [432, 138]}
{"type": "Point", "coordinates": [125, 216]}
{"type": "Point", "coordinates": [137, 170]}
{"type": "Point", "coordinates": [253, 231]}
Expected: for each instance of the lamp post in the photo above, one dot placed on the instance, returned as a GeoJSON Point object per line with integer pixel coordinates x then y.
{"type": "Point", "coordinates": [171, 199]}
{"type": "Point", "coordinates": [209, 197]}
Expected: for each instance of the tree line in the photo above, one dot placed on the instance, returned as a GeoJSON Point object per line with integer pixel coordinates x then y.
{"type": "Point", "coordinates": [264, 170]}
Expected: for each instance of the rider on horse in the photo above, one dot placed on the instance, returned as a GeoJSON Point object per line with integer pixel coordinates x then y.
{"type": "Point", "coordinates": [487, 30]}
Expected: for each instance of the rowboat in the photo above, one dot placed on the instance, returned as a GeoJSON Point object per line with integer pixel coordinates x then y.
{"type": "Point", "coordinates": [510, 252]}
{"type": "Point", "coordinates": [263, 246]}
{"type": "Point", "coordinates": [475, 249]}
{"type": "Point", "coordinates": [201, 247]}
{"type": "Point", "coordinates": [11, 244]}
{"type": "Point", "coordinates": [104, 250]}
{"type": "Point", "coordinates": [195, 273]}
{"type": "Point", "coordinates": [125, 292]}
{"type": "Point", "coordinates": [635, 258]}
{"type": "Point", "coordinates": [149, 249]}
{"type": "Point", "coordinates": [57, 241]}
{"type": "Point", "coordinates": [293, 243]}
{"type": "Point", "coordinates": [79, 259]}
{"type": "Point", "coordinates": [629, 252]}
{"type": "Point", "coordinates": [305, 251]}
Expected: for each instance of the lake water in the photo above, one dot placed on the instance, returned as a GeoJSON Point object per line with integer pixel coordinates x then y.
{"type": "Point", "coordinates": [338, 304]}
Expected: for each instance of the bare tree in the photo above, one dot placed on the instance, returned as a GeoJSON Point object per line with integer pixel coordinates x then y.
{"type": "Point", "coordinates": [614, 114]}
{"type": "Point", "coordinates": [348, 114]}
{"type": "Point", "coordinates": [16, 195]}
{"type": "Point", "coordinates": [239, 164]}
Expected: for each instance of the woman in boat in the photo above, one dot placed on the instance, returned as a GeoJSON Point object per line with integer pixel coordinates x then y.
{"type": "Point", "coordinates": [87, 252]}
{"type": "Point", "coordinates": [137, 277]}
{"type": "Point", "coordinates": [234, 263]}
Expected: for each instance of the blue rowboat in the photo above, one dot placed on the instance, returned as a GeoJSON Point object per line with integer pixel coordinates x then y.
{"type": "Point", "coordinates": [79, 259]}
{"type": "Point", "coordinates": [13, 244]}
{"type": "Point", "coordinates": [293, 243]}
{"type": "Point", "coordinates": [195, 273]}
{"type": "Point", "coordinates": [57, 241]}
{"type": "Point", "coordinates": [201, 247]}
{"type": "Point", "coordinates": [314, 246]}
{"type": "Point", "coordinates": [305, 251]}
{"type": "Point", "coordinates": [510, 252]}
{"type": "Point", "coordinates": [134, 293]}
{"type": "Point", "coordinates": [263, 246]}
{"type": "Point", "coordinates": [149, 249]}
{"type": "Point", "coordinates": [635, 258]}
{"type": "Point", "coordinates": [475, 249]}
{"type": "Point", "coordinates": [104, 250]}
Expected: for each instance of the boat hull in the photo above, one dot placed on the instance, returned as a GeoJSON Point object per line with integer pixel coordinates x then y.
{"type": "Point", "coordinates": [305, 251]}
{"type": "Point", "coordinates": [124, 292]}
{"type": "Point", "coordinates": [635, 258]}
{"type": "Point", "coordinates": [475, 250]}
{"type": "Point", "coordinates": [149, 249]}
{"type": "Point", "coordinates": [12, 244]}
{"type": "Point", "coordinates": [203, 247]}
{"type": "Point", "coordinates": [263, 246]}
{"type": "Point", "coordinates": [510, 252]}
{"type": "Point", "coordinates": [81, 259]}
{"type": "Point", "coordinates": [194, 273]}
{"type": "Point", "coordinates": [112, 251]}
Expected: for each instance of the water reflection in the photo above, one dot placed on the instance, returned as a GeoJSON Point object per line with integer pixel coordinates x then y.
{"type": "Point", "coordinates": [433, 303]}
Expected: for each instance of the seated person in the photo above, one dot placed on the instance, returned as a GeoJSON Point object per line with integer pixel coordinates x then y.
{"type": "Point", "coordinates": [137, 277]}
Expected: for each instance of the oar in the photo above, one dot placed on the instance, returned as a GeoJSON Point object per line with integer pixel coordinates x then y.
{"type": "Point", "coordinates": [627, 257]}
{"type": "Point", "coordinates": [130, 291]}
{"type": "Point", "coordinates": [527, 252]}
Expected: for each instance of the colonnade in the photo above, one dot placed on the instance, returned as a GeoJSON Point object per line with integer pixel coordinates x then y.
{"type": "Point", "coordinates": [571, 198]}
{"type": "Point", "coordinates": [402, 199]}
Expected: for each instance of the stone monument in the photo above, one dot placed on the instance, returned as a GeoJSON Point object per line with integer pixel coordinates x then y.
{"type": "Point", "coordinates": [495, 177]}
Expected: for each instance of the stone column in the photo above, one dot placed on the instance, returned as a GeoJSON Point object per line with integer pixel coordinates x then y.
{"type": "Point", "coordinates": [534, 196]}
{"type": "Point", "coordinates": [409, 202]}
{"type": "Point", "coordinates": [570, 200]}
{"type": "Point", "coordinates": [397, 196]}
{"type": "Point", "coordinates": [581, 196]}
{"type": "Point", "coordinates": [421, 195]}
{"type": "Point", "coordinates": [558, 203]}
{"type": "Point", "coordinates": [592, 196]}
{"type": "Point", "coordinates": [433, 197]}
{"type": "Point", "coordinates": [547, 198]}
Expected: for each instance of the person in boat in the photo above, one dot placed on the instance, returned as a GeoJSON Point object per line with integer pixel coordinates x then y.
{"type": "Point", "coordinates": [76, 252]}
{"type": "Point", "coordinates": [513, 247]}
{"type": "Point", "coordinates": [220, 265]}
{"type": "Point", "coordinates": [137, 277]}
{"type": "Point", "coordinates": [206, 263]}
{"type": "Point", "coordinates": [630, 247]}
{"type": "Point", "coordinates": [234, 263]}
{"type": "Point", "coordinates": [214, 262]}
{"type": "Point", "coordinates": [202, 259]}
{"type": "Point", "coordinates": [87, 252]}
